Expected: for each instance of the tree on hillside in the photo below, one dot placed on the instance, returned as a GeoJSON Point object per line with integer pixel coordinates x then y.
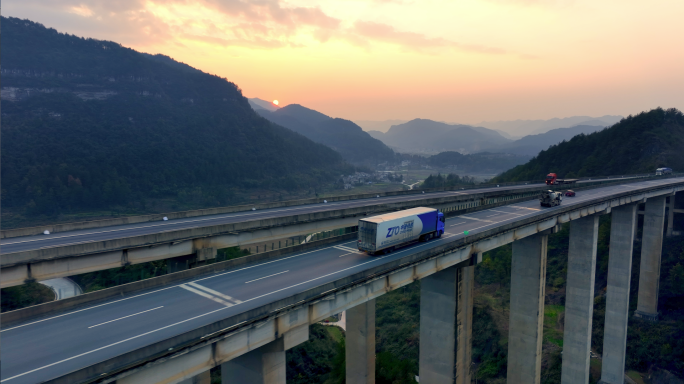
{"type": "Point", "coordinates": [637, 144]}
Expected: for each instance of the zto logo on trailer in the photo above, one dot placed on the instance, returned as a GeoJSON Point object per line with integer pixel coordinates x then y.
{"type": "Point", "coordinates": [406, 227]}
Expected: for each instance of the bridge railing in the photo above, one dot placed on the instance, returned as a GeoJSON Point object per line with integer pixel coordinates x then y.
{"type": "Point", "coordinates": [53, 228]}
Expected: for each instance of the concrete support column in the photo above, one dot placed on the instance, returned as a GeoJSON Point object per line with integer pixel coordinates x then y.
{"type": "Point", "coordinates": [617, 294]}
{"type": "Point", "coordinates": [528, 279]}
{"type": "Point", "coordinates": [651, 248]}
{"type": "Point", "coordinates": [360, 344]}
{"type": "Point", "coordinates": [181, 263]}
{"type": "Point", "coordinates": [265, 365]}
{"type": "Point", "coordinates": [446, 312]}
{"type": "Point", "coordinates": [202, 378]}
{"type": "Point", "coordinates": [579, 299]}
{"type": "Point", "coordinates": [670, 215]}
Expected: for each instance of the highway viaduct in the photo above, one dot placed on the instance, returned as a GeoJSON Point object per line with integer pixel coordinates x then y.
{"type": "Point", "coordinates": [249, 340]}
{"type": "Point", "coordinates": [191, 238]}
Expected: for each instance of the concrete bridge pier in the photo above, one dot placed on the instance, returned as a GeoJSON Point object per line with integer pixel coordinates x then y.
{"type": "Point", "coordinates": [579, 299]}
{"type": "Point", "coordinates": [202, 378]}
{"type": "Point", "coordinates": [446, 312]}
{"type": "Point", "coordinates": [651, 249]}
{"type": "Point", "coordinates": [265, 365]}
{"type": "Point", "coordinates": [617, 294]}
{"type": "Point", "coordinates": [670, 215]}
{"type": "Point", "coordinates": [528, 279]}
{"type": "Point", "coordinates": [181, 263]}
{"type": "Point", "coordinates": [360, 344]}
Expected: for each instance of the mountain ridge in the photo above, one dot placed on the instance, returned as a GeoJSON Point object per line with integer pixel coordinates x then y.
{"type": "Point", "coordinates": [637, 144]}
{"type": "Point", "coordinates": [344, 136]}
{"type": "Point", "coordinates": [429, 136]}
{"type": "Point", "coordinates": [90, 124]}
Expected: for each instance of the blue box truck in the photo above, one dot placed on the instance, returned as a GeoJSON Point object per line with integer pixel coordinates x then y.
{"type": "Point", "coordinates": [383, 233]}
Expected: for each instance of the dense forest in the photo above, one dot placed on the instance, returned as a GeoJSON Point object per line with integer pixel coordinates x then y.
{"type": "Point", "coordinates": [637, 144]}
{"type": "Point", "coordinates": [89, 124]}
{"type": "Point", "coordinates": [450, 180]}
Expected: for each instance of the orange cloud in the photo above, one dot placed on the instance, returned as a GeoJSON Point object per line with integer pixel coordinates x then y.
{"type": "Point", "coordinates": [415, 41]}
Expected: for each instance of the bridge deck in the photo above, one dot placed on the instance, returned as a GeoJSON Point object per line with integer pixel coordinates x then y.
{"type": "Point", "coordinates": [52, 347]}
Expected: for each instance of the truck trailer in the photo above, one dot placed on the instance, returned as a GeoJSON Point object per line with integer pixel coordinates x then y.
{"type": "Point", "coordinates": [383, 233]}
{"type": "Point", "coordinates": [552, 179]}
{"type": "Point", "coordinates": [663, 171]}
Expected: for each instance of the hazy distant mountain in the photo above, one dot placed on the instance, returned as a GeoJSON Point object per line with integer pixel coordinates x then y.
{"type": "Point", "coordinates": [533, 144]}
{"type": "Point", "coordinates": [255, 102]}
{"type": "Point", "coordinates": [428, 136]}
{"type": "Point", "coordinates": [637, 144]}
{"type": "Point", "coordinates": [531, 127]}
{"type": "Point", "coordinates": [381, 126]}
{"type": "Point", "coordinates": [344, 136]}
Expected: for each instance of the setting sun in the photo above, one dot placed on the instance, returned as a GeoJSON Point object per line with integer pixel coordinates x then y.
{"type": "Point", "coordinates": [275, 102]}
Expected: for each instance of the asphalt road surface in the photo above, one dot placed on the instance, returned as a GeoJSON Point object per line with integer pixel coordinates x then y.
{"type": "Point", "coordinates": [27, 243]}
{"type": "Point", "coordinates": [51, 347]}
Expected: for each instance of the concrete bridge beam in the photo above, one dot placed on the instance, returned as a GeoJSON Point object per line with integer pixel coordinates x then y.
{"type": "Point", "coordinates": [617, 295]}
{"type": "Point", "coordinates": [202, 378]}
{"type": "Point", "coordinates": [651, 249]}
{"type": "Point", "coordinates": [446, 311]}
{"type": "Point", "coordinates": [579, 300]}
{"type": "Point", "coordinates": [360, 344]}
{"type": "Point", "coordinates": [528, 279]}
{"type": "Point", "coordinates": [265, 365]}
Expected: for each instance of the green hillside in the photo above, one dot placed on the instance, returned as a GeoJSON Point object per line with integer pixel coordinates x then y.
{"type": "Point", "coordinates": [637, 144]}
{"type": "Point", "coordinates": [89, 124]}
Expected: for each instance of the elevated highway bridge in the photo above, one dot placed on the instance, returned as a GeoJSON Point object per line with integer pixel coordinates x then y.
{"type": "Point", "coordinates": [190, 238]}
{"type": "Point", "coordinates": [175, 328]}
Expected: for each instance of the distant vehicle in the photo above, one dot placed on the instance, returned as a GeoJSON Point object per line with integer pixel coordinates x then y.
{"type": "Point", "coordinates": [550, 198]}
{"type": "Point", "coordinates": [383, 233]}
{"type": "Point", "coordinates": [570, 193]}
{"type": "Point", "coordinates": [552, 179]}
{"type": "Point", "coordinates": [663, 171]}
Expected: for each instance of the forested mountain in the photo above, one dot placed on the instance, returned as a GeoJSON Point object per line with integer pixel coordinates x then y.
{"type": "Point", "coordinates": [533, 144]}
{"type": "Point", "coordinates": [637, 144]}
{"type": "Point", "coordinates": [427, 136]}
{"type": "Point", "coordinates": [534, 127]}
{"type": "Point", "coordinates": [89, 124]}
{"type": "Point", "coordinates": [256, 102]}
{"type": "Point", "coordinates": [344, 136]}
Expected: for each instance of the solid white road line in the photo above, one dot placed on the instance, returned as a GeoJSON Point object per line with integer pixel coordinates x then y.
{"type": "Point", "coordinates": [192, 318]}
{"type": "Point", "coordinates": [110, 345]}
{"type": "Point", "coordinates": [472, 218]}
{"type": "Point", "coordinates": [208, 296]}
{"type": "Point", "coordinates": [515, 206]}
{"type": "Point", "coordinates": [163, 289]}
{"type": "Point", "coordinates": [346, 249]}
{"type": "Point", "coordinates": [509, 213]}
{"type": "Point", "coordinates": [215, 293]}
{"type": "Point", "coordinates": [463, 222]}
{"type": "Point", "coordinates": [111, 321]}
{"type": "Point", "coordinates": [85, 309]}
{"type": "Point", "coordinates": [251, 281]}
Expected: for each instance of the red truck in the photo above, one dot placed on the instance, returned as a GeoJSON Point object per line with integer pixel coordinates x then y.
{"type": "Point", "coordinates": [552, 179]}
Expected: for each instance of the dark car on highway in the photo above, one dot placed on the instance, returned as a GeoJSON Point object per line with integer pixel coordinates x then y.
{"type": "Point", "coordinates": [570, 193]}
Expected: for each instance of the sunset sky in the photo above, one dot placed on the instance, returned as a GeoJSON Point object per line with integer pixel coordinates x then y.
{"type": "Point", "coordinates": [460, 61]}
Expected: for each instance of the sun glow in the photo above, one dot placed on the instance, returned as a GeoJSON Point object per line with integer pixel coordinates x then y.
{"type": "Point", "coordinates": [275, 102]}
